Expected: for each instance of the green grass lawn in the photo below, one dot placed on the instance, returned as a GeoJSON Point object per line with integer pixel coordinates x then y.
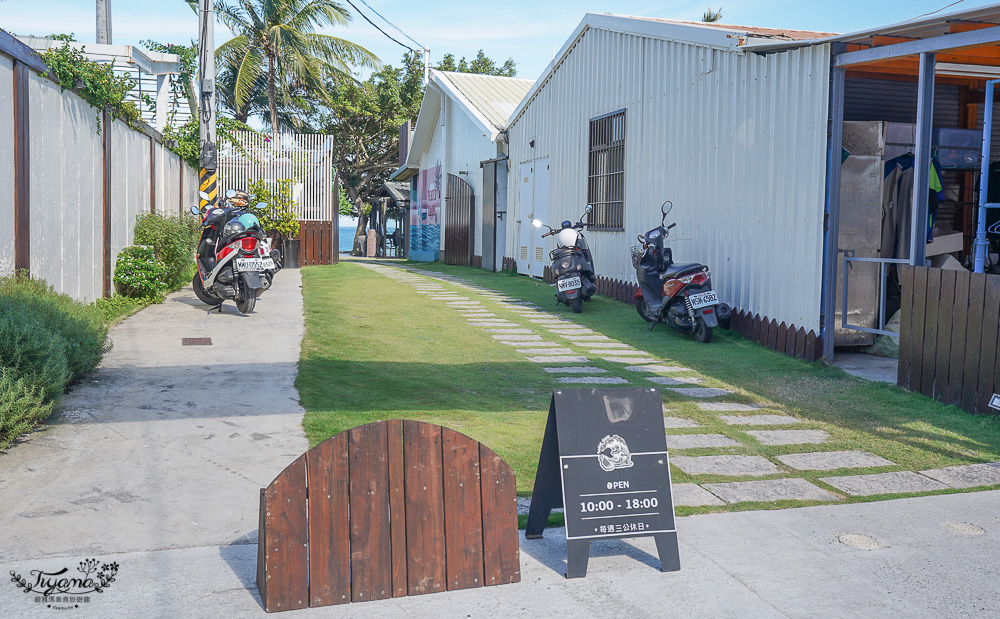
{"type": "Point", "coordinates": [374, 349]}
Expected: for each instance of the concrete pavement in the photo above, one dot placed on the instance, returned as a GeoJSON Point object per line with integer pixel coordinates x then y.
{"type": "Point", "coordinates": [164, 446]}
{"type": "Point", "coordinates": [936, 558]}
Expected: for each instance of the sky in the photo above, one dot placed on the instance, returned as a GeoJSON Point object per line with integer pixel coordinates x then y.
{"type": "Point", "coordinates": [527, 31]}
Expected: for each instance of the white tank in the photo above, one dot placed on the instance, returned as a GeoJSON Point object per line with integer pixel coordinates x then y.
{"type": "Point", "coordinates": [567, 237]}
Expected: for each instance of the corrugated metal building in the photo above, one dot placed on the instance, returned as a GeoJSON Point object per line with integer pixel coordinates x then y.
{"type": "Point", "coordinates": [736, 141]}
{"type": "Point", "coordinates": [735, 126]}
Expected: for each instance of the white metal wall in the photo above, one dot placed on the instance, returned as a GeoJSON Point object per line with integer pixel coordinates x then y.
{"type": "Point", "coordinates": [66, 191]}
{"type": "Point", "coordinates": [6, 167]}
{"type": "Point", "coordinates": [737, 142]}
{"type": "Point", "coordinates": [467, 145]}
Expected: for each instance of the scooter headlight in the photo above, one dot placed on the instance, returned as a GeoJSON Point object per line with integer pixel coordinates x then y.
{"type": "Point", "coordinates": [566, 263]}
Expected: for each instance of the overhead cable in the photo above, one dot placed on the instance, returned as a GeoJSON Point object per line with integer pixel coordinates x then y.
{"type": "Point", "coordinates": [392, 24]}
{"type": "Point", "coordinates": [379, 29]}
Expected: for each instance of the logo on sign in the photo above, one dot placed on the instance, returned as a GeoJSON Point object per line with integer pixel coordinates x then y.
{"type": "Point", "coordinates": [613, 453]}
{"type": "Point", "coordinates": [995, 401]}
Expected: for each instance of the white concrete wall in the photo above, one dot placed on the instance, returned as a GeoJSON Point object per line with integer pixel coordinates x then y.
{"type": "Point", "coordinates": [467, 145]}
{"type": "Point", "coordinates": [66, 191]}
{"type": "Point", "coordinates": [737, 142]}
{"type": "Point", "coordinates": [6, 166]}
{"type": "Point", "coordinates": [66, 185]}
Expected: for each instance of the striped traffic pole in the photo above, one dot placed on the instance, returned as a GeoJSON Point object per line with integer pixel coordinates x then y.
{"type": "Point", "coordinates": [210, 185]}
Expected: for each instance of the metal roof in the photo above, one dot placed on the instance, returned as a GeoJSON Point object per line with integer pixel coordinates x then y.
{"type": "Point", "coordinates": [493, 96]}
{"type": "Point", "coordinates": [911, 29]}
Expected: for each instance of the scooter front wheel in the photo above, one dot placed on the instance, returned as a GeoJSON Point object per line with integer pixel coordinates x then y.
{"type": "Point", "coordinates": [577, 305]}
{"type": "Point", "coordinates": [203, 295]}
{"type": "Point", "coordinates": [702, 332]}
{"type": "Point", "coordinates": [643, 309]}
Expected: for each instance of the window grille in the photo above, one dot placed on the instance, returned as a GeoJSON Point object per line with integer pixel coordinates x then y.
{"type": "Point", "coordinates": [606, 172]}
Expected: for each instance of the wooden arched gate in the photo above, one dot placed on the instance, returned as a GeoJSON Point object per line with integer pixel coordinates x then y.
{"type": "Point", "coordinates": [383, 510]}
{"type": "Point", "coordinates": [459, 237]}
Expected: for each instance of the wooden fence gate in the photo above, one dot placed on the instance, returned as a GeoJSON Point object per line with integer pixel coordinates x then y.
{"type": "Point", "coordinates": [949, 325]}
{"type": "Point", "coordinates": [458, 233]}
{"type": "Point", "coordinates": [384, 510]}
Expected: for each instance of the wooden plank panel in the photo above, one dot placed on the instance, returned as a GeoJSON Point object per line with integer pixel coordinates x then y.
{"type": "Point", "coordinates": [905, 274]}
{"type": "Point", "coordinates": [371, 556]}
{"type": "Point", "coordinates": [790, 340]}
{"type": "Point", "coordinates": [928, 355]}
{"type": "Point", "coordinates": [917, 328]}
{"type": "Point", "coordinates": [755, 328]}
{"type": "Point", "coordinates": [397, 505]}
{"type": "Point", "coordinates": [960, 317]}
{"type": "Point", "coordinates": [329, 526]}
{"type": "Point", "coordinates": [501, 559]}
{"type": "Point", "coordinates": [762, 335]}
{"type": "Point", "coordinates": [772, 334]}
{"type": "Point", "coordinates": [425, 560]}
{"type": "Point", "coordinates": [286, 567]}
{"type": "Point", "coordinates": [988, 345]}
{"type": "Point", "coordinates": [810, 351]}
{"type": "Point", "coordinates": [943, 346]}
{"type": "Point", "coordinates": [779, 339]}
{"type": "Point", "coordinates": [973, 340]}
{"type": "Point", "coordinates": [800, 343]}
{"type": "Point", "coordinates": [463, 513]}
{"type": "Point", "coordinates": [22, 168]}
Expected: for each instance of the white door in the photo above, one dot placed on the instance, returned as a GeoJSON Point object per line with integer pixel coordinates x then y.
{"type": "Point", "coordinates": [539, 257]}
{"type": "Point", "coordinates": [525, 200]}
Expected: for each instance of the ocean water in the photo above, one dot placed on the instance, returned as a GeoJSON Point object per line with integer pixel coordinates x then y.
{"type": "Point", "coordinates": [347, 231]}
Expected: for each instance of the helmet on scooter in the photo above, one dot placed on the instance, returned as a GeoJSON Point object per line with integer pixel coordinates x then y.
{"type": "Point", "coordinates": [231, 229]}
{"type": "Point", "coordinates": [249, 220]}
{"type": "Point", "coordinates": [567, 237]}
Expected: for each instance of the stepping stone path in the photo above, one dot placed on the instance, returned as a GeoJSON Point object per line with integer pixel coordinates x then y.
{"type": "Point", "coordinates": [759, 420]}
{"type": "Point", "coordinates": [732, 466]}
{"type": "Point", "coordinates": [831, 460]}
{"type": "Point", "coordinates": [520, 324]}
{"type": "Point", "coordinates": [794, 489]}
{"type": "Point", "coordinates": [788, 437]}
{"type": "Point", "coordinates": [883, 483]}
{"type": "Point", "coordinates": [692, 441]}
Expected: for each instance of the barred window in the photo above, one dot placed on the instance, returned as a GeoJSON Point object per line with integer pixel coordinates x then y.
{"type": "Point", "coordinates": [606, 172]}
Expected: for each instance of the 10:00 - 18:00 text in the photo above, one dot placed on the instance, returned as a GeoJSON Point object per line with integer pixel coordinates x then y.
{"type": "Point", "coordinates": [603, 506]}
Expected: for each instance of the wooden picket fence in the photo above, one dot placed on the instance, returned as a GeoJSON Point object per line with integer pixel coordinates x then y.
{"type": "Point", "coordinates": [384, 510]}
{"type": "Point", "coordinates": [948, 340]}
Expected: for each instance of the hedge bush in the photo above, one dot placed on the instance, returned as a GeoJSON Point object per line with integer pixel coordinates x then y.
{"type": "Point", "coordinates": [138, 273]}
{"type": "Point", "coordinates": [22, 406]}
{"type": "Point", "coordinates": [173, 240]}
{"type": "Point", "coordinates": [31, 351]}
{"type": "Point", "coordinates": [83, 327]}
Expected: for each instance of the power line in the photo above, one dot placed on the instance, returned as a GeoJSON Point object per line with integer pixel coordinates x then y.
{"type": "Point", "coordinates": [379, 29]}
{"type": "Point", "coordinates": [939, 10]}
{"type": "Point", "coordinates": [392, 24]}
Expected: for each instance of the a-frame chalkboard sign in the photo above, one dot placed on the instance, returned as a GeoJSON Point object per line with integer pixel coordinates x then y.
{"type": "Point", "coordinates": [604, 459]}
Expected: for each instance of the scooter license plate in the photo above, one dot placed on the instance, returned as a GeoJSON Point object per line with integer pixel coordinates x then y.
{"type": "Point", "coordinates": [703, 299]}
{"type": "Point", "coordinates": [254, 264]}
{"type": "Point", "coordinates": [569, 283]}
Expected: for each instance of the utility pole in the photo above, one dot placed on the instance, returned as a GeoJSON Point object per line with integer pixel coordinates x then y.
{"type": "Point", "coordinates": [209, 157]}
{"type": "Point", "coordinates": [427, 63]}
{"type": "Point", "coordinates": [104, 21]}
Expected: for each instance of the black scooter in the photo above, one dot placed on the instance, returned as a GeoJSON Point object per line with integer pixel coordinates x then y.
{"type": "Point", "coordinates": [572, 262]}
{"type": "Point", "coordinates": [680, 295]}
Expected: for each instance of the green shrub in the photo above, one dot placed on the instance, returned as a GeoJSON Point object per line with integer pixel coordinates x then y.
{"type": "Point", "coordinates": [114, 308]}
{"type": "Point", "coordinates": [138, 273]}
{"type": "Point", "coordinates": [81, 326]}
{"type": "Point", "coordinates": [279, 218]}
{"type": "Point", "coordinates": [173, 240]}
{"type": "Point", "coordinates": [21, 406]}
{"type": "Point", "coordinates": [30, 351]}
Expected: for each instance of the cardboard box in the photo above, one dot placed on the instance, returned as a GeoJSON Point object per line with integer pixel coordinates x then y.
{"type": "Point", "coordinates": [946, 262]}
{"type": "Point", "coordinates": [945, 244]}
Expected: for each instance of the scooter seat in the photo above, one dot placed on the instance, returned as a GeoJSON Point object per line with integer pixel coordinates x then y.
{"type": "Point", "coordinates": [677, 269]}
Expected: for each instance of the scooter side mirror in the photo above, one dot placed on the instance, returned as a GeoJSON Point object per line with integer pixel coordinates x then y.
{"type": "Point", "coordinates": [195, 210]}
{"type": "Point", "coordinates": [204, 196]}
{"type": "Point", "coordinates": [261, 205]}
{"type": "Point", "coordinates": [230, 193]}
{"type": "Point", "coordinates": [589, 209]}
{"type": "Point", "coordinates": [536, 223]}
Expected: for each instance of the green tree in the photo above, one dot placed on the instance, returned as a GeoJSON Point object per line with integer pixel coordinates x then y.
{"type": "Point", "coordinates": [712, 16]}
{"type": "Point", "coordinates": [480, 64]}
{"type": "Point", "coordinates": [278, 39]}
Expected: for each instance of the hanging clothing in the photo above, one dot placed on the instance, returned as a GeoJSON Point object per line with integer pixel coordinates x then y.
{"type": "Point", "coordinates": [897, 204]}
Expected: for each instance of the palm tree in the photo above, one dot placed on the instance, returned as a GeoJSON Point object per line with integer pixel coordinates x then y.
{"type": "Point", "coordinates": [712, 16]}
{"type": "Point", "coordinates": [278, 39]}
